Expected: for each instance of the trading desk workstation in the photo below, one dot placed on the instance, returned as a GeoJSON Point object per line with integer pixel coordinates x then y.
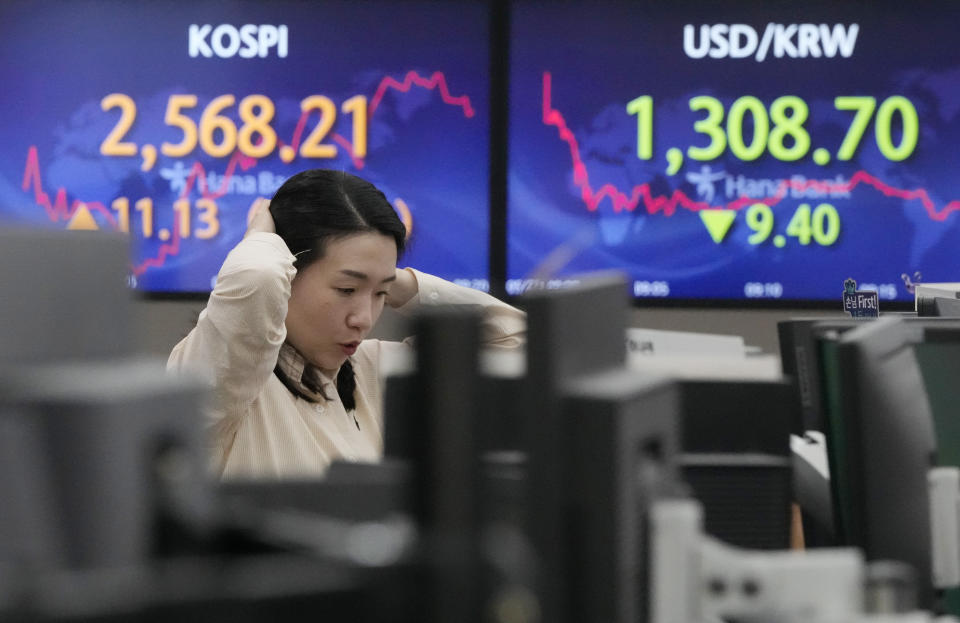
{"type": "Point", "coordinates": [726, 159]}
{"type": "Point", "coordinates": [584, 487]}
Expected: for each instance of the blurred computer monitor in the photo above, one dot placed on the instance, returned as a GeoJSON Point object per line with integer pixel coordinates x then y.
{"type": "Point", "coordinates": [881, 443]}
{"type": "Point", "coordinates": [938, 354]}
{"type": "Point", "coordinates": [939, 306]}
{"type": "Point", "coordinates": [622, 441]}
{"type": "Point", "coordinates": [800, 359]}
{"type": "Point", "coordinates": [736, 457]}
{"type": "Point", "coordinates": [926, 296]}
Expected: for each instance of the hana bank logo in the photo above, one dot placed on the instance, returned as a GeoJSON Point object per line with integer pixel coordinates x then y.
{"type": "Point", "coordinates": [704, 181]}
{"type": "Point", "coordinates": [227, 41]}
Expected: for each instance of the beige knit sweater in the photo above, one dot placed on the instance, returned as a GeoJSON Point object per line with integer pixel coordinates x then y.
{"type": "Point", "coordinates": [258, 428]}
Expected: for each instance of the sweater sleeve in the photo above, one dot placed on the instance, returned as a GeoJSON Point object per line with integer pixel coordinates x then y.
{"type": "Point", "coordinates": [503, 326]}
{"type": "Point", "coordinates": [239, 334]}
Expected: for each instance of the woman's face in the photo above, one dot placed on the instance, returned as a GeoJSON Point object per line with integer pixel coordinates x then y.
{"type": "Point", "coordinates": [335, 301]}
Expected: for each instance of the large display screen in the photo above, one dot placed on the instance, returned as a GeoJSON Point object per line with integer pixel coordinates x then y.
{"type": "Point", "coordinates": [735, 150]}
{"type": "Point", "coordinates": [169, 119]}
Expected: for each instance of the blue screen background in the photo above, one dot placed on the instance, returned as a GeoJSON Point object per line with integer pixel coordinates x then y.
{"type": "Point", "coordinates": [425, 150]}
{"type": "Point", "coordinates": [601, 55]}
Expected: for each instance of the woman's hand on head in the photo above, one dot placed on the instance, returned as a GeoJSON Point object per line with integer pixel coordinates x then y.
{"type": "Point", "coordinates": [259, 217]}
{"type": "Point", "coordinates": [403, 289]}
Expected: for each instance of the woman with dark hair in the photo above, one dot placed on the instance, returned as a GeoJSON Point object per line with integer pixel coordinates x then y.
{"type": "Point", "coordinates": [296, 383]}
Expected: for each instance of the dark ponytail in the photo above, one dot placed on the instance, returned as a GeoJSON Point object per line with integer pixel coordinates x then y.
{"type": "Point", "coordinates": [346, 383]}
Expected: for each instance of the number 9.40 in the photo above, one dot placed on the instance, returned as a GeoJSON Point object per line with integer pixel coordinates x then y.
{"type": "Point", "coordinates": [821, 225]}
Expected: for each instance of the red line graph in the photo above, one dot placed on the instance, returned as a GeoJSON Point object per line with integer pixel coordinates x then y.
{"type": "Point", "coordinates": [436, 81]}
{"type": "Point", "coordinates": [197, 172]}
{"type": "Point", "coordinates": [348, 146]}
{"type": "Point", "coordinates": [669, 204]}
{"type": "Point", "coordinates": [166, 248]}
{"type": "Point", "coordinates": [338, 138]}
{"type": "Point", "coordinates": [60, 210]}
